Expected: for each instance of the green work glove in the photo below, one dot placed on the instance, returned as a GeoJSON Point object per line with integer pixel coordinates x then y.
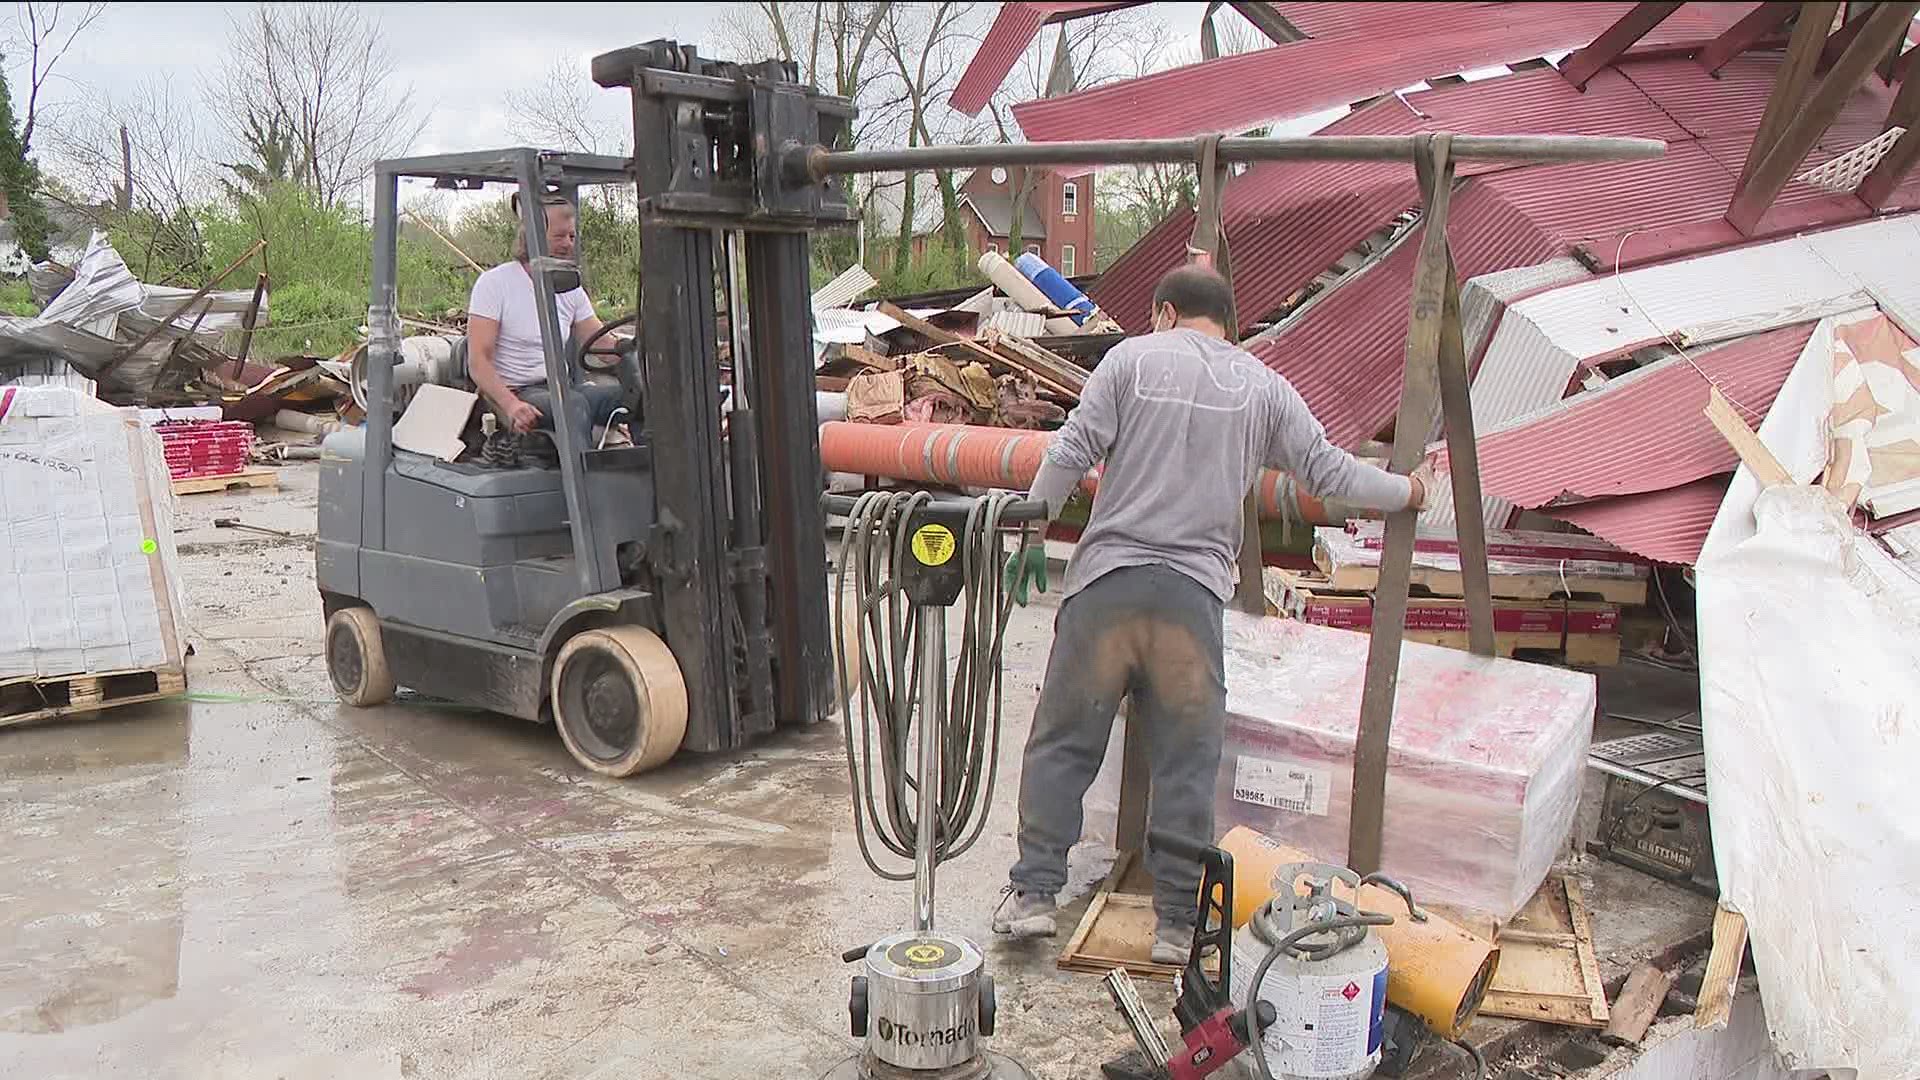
{"type": "Point", "coordinates": [1028, 564]}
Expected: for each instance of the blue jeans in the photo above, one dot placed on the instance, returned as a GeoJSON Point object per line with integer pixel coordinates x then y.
{"type": "Point", "coordinates": [594, 403]}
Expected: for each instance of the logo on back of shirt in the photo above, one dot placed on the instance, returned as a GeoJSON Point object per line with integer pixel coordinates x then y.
{"type": "Point", "coordinates": [1165, 375]}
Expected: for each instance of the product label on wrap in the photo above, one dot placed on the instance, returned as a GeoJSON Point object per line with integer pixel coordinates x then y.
{"type": "Point", "coordinates": [1281, 785]}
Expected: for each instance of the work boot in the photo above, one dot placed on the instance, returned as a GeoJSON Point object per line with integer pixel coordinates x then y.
{"type": "Point", "coordinates": [1172, 943]}
{"type": "Point", "coordinates": [1024, 914]}
{"type": "Point", "coordinates": [500, 451]}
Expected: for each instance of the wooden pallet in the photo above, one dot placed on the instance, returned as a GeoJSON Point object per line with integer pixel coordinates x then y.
{"type": "Point", "coordinates": [1316, 599]}
{"type": "Point", "coordinates": [250, 478]}
{"type": "Point", "coordinates": [1540, 586]}
{"type": "Point", "coordinates": [1117, 930]}
{"type": "Point", "coordinates": [1548, 970]}
{"type": "Point", "coordinates": [23, 700]}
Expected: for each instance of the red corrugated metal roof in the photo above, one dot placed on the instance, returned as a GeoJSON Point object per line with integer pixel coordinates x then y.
{"type": "Point", "coordinates": [1013, 29]}
{"type": "Point", "coordinates": [1345, 354]}
{"type": "Point", "coordinates": [1668, 526]}
{"type": "Point", "coordinates": [1338, 19]}
{"type": "Point", "coordinates": [1646, 433]}
{"type": "Point", "coordinates": [1235, 93]}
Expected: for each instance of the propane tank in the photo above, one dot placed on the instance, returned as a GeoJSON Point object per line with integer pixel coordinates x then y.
{"type": "Point", "coordinates": [1328, 988]}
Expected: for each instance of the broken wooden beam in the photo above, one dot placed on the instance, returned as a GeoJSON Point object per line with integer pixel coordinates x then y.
{"type": "Point", "coordinates": [1614, 41]}
{"type": "Point", "coordinates": [1045, 366]}
{"type": "Point", "coordinates": [1632, 1012]}
{"type": "Point", "coordinates": [1877, 186]}
{"type": "Point", "coordinates": [1753, 453]}
{"type": "Point", "coordinates": [1723, 969]}
{"type": "Point", "coordinates": [1791, 82]}
{"type": "Point", "coordinates": [1763, 183]}
{"type": "Point", "coordinates": [1744, 34]}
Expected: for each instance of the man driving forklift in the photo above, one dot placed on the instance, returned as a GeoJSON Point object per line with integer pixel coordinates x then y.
{"type": "Point", "coordinates": [504, 357]}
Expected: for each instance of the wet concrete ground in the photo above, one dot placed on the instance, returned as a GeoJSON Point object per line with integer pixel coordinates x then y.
{"type": "Point", "coordinates": [262, 883]}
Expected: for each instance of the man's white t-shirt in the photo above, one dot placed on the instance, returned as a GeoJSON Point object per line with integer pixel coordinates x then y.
{"type": "Point", "coordinates": [505, 294]}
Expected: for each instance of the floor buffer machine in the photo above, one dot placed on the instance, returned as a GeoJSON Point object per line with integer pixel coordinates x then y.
{"type": "Point", "coordinates": [921, 755]}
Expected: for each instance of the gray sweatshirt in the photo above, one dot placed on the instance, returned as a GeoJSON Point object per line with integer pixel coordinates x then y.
{"type": "Point", "coordinates": [1184, 422]}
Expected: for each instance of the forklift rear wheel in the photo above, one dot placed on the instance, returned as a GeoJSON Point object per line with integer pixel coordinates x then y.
{"type": "Point", "coordinates": [618, 700]}
{"type": "Point", "coordinates": [356, 659]}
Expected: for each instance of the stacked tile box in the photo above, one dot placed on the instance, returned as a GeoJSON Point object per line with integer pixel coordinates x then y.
{"type": "Point", "coordinates": [88, 569]}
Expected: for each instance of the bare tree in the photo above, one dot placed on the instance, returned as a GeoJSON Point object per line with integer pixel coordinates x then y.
{"type": "Point", "coordinates": [927, 47]}
{"type": "Point", "coordinates": [143, 151]}
{"type": "Point", "coordinates": [1083, 54]}
{"type": "Point", "coordinates": [325, 71]}
{"type": "Point", "coordinates": [45, 32]}
{"type": "Point", "coordinates": [557, 114]}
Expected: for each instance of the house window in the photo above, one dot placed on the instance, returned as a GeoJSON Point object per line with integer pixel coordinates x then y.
{"type": "Point", "coordinates": [1070, 199]}
{"type": "Point", "coordinates": [1033, 248]}
{"type": "Point", "coordinates": [1066, 260]}
{"type": "Point", "coordinates": [995, 248]}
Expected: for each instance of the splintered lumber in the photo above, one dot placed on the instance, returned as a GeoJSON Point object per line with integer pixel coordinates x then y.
{"type": "Point", "coordinates": [936, 335]}
{"type": "Point", "coordinates": [1639, 1000]}
{"type": "Point", "coordinates": [1045, 366]}
{"type": "Point", "coordinates": [1753, 453]}
{"type": "Point", "coordinates": [1723, 969]}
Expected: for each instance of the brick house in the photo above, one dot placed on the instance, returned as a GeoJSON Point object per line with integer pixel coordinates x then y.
{"type": "Point", "coordinates": [1058, 222]}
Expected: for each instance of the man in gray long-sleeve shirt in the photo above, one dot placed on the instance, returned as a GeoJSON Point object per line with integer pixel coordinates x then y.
{"type": "Point", "coordinates": [1184, 420]}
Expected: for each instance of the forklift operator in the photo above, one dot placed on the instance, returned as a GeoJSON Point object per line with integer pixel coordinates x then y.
{"type": "Point", "coordinates": [1184, 419]}
{"type": "Point", "coordinates": [504, 354]}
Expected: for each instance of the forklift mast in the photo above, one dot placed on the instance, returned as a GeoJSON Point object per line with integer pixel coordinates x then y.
{"type": "Point", "coordinates": [739, 551]}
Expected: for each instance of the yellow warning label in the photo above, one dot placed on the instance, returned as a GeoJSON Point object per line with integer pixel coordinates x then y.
{"type": "Point", "coordinates": [926, 953]}
{"type": "Point", "coordinates": [933, 545]}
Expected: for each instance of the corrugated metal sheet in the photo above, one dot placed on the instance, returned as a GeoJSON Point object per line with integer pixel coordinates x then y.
{"type": "Point", "coordinates": [1668, 526]}
{"type": "Point", "coordinates": [1642, 432]}
{"type": "Point", "coordinates": [1234, 93]}
{"type": "Point", "coordinates": [1484, 299]}
{"type": "Point", "coordinates": [1346, 355]}
{"type": "Point", "coordinates": [1125, 289]}
{"type": "Point", "coordinates": [1597, 199]}
{"type": "Point", "coordinates": [1776, 282]}
{"type": "Point", "coordinates": [1734, 100]}
{"type": "Point", "coordinates": [1336, 20]}
{"type": "Point", "coordinates": [1013, 29]}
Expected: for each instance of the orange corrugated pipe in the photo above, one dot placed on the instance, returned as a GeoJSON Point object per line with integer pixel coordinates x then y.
{"type": "Point", "coordinates": [964, 455]}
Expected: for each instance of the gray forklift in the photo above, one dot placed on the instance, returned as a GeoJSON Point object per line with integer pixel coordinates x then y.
{"type": "Point", "coordinates": [644, 599]}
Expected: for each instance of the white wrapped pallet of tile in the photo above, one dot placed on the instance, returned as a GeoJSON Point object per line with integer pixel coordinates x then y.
{"type": "Point", "coordinates": [87, 557]}
{"type": "Point", "coordinates": [1485, 761]}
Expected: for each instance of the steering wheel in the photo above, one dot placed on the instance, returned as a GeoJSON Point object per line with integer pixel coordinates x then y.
{"type": "Point", "coordinates": [625, 365]}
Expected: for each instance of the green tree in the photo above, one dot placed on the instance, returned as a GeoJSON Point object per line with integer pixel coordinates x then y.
{"type": "Point", "coordinates": [20, 178]}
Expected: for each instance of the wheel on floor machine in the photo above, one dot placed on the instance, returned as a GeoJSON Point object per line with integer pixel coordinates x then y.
{"type": "Point", "coordinates": [356, 659]}
{"type": "Point", "coordinates": [618, 700]}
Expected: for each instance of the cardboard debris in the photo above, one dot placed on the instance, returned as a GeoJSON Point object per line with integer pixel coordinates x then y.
{"type": "Point", "coordinates": [877, 397]}
{"type": "Point", "coordinates": [433, 421]}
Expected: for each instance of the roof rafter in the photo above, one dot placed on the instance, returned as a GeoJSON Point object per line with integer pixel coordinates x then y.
{"type": "Point", "coordinates": [1743, 35]}
{"type": "Point", "coordinates": [1763, 183]}
{"type": "Point", "coordinates": [1615, 40]}
{"type": "Point", "coordinates": [1791, 83]}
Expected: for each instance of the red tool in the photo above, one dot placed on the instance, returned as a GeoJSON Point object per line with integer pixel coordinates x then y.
{"type": "Point", "coordinates": [1212, 1031]}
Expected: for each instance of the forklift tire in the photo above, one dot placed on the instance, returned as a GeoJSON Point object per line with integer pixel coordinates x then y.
{"type": "Point", "coordinates": [356, 659]}
{"type": "Point", "coordinates": [618, 700]}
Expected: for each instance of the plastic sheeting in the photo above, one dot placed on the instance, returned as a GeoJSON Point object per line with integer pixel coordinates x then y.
{"type": "Point", "coordinates": [1810, 698]}
{"type": "Point", "coordinates": [1810, 694]}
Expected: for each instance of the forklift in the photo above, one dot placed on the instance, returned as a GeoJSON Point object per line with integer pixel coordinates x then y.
{"type": "Point", "coordinates": [666, 595]}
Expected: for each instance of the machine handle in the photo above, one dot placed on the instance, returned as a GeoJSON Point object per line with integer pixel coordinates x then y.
{"type": "Point", "coordinates": [1016, 513]}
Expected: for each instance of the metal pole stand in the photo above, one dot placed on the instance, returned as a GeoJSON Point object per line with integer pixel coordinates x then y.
{"type": "Point", "coordinates": [924, 1000]}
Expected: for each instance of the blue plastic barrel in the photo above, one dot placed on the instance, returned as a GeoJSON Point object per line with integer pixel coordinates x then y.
{"type": "Point", "coordinates": [1062, 292]}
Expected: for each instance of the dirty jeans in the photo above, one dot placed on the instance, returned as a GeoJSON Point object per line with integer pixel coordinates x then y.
{"type": "Point", "coordinates": [593, 402]}
{"type": "Point", "coordinates": [1152, 635]}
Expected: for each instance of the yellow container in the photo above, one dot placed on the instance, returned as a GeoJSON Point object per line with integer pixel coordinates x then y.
{"type": "Point", "coordinates": [1435, 970]}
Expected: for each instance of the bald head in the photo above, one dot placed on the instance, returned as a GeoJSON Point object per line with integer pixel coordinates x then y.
{"type": "Point", "coordinates": [1193, 296]}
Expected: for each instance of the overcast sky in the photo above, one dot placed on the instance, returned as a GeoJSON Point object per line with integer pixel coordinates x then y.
{"type": "Point", "coordinates": [461, 59]}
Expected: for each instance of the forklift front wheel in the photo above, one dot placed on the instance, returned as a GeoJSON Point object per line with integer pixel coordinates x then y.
{"type": "Point", "coordinates": [618, 700]}
{"type": "Point", "coordinates": [356, 659]}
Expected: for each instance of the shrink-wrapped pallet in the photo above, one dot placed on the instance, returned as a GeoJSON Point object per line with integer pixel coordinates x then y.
{"type": "Point", "coordinates": [88, 568]}
{"type": "Point", "coordinates": [1485, 763]}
